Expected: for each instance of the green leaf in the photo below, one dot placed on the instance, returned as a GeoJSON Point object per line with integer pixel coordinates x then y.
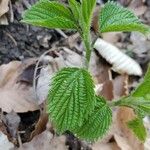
{"type": "Point", "coordinates": [143, 90]}
{"type": "Point", "coordinates": [139, 104]}
{"type": "Point", "coordinates": [50, 14]}
{"type": "Point", "coordinates": [139, 99]}
{"type": "Point", "coordinates": [85, 19]}
{"type": "Point", "coordinates": [71, 98]}
{"type": "Point", "coordinates": [114, 17]}
{"type": "Point", "coordinates": [98, 122]}
{"type": "Point", "coordinates": [87, 7]}
{"type": "Point", "coordinates": [138, 128]}
{"type": "Point", "coordinates": [75, 8]}
{"type": "Point", "coordinates": [141, 108]}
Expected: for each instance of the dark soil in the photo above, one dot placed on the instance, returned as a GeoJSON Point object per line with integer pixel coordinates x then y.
{"type": "Point", "coordinates": [19, 41]}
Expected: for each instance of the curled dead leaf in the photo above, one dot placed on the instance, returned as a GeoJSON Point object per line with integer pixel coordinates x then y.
{"type": "Point", "coordinates": [45, 141]}
{"type": "Point", "coordinates": [105, 146]}
{"type": "Point", "coordinates": [41, 125]}
{"type": "Point", "coordinates": [15, 95]}
{"type": "Point", "coordinates": [123, 134]}
{"type": "Point", "coordinates": [4, 6]}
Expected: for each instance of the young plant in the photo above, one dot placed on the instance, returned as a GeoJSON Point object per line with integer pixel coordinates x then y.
{"type": "Point", "coordinates": [72, 103]}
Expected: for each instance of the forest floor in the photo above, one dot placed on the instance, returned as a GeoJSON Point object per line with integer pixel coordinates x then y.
{"type": "Point", "coordinates": [24, 122]}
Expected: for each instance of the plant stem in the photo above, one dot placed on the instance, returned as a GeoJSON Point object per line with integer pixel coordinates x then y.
{"type": "Point", "coordinates": [112, 103]}
{"type": "Point", "coordinates": [88, 47]}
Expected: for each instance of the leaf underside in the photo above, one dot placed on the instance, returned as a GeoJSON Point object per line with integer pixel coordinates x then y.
{"type": "Point", "coordinates": [138, 128]}
{"type": "Point", "coordinates": [50, 14]}
{"type": "Point", "coordinates": [98, 122]}
{"type": "Point", "coordinates": [71, 98]}
{"type": "Point", "coordinates": [114, 17]}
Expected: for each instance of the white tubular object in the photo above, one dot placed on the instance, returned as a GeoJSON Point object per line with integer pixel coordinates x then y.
{"type": "Point", "coordinates": [120, 62]}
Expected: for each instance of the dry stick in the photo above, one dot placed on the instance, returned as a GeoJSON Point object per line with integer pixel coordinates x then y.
{"type": "Point", "coordinates": [19, 140]}
{"type": "Point", "coordinates": [62, 33]}
{"type": "Point", "coordinates": [26, 3]}
{"type": "Point", "coordinates": [126, 84]}
{"type": "Point", "coordinates": [36, 69]}
{"type": "Point", "coordinates": [110, 74]}
{"type": "Point", "coordinates": [11, 37]}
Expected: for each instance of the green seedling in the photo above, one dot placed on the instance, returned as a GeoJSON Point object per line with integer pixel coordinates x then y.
{"type": "Point", "coordinates": [72, 103]}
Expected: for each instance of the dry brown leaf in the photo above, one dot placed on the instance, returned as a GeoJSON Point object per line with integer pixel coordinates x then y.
{"type": "Point", "coordinates": [120, 86]}
{"type": "Point", "coordinates": [45, 141]}
{"type": "Point", "coordinates": [3, 7]}
{"type": "Point", "coordinates": [122, 134]}
{"type": "Point", "coordinates": [41, 125]}
{"type": "Point", "coordinates": [140, 45]}
{"type": "Point", "coordinates": [136, 3]}
{"type": "Point", "coordinates": [122, 142]}
{"type": "Point", "coordinates": [71, 58]}
{"type": "Point", "coordinates": [3, 20]}
{"type": "Point", "coordinates": [123, 116]}
{"type": "Point", "coordinates": [105, 146]}
{"type": "Point", "coordinates": [112, 37]}
{"type": "Point", "coordinates": [3, 128]}
{"type": "Point", "coordinates": [125, 2]}
{"type": "Point", "coordinates": [138, 7]}
{"type": "Point", "coordinates": [15, 95]}
{"type": "Point", "coordinates": [107, 90]}
{"type": "Point", "coordinates": [99, 69]}
{"type": "Point", "coordinates": [139, 10]}
{"type": "Point", "coordinates": [95, 20]}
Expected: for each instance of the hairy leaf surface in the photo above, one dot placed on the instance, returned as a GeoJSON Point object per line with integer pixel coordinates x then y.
{"type": "Point", "coordinates": [143, 90]}
{"type": "Point", "coordinates": [87, 10]}
{"type": "Point", "coordinates": [75, 8]}
{"type": "Point", "coordinates": [50, 14]}
{"type": "Point", "coordinates": [138, 128]}
{"type": "Point", "coordinates": [98, 122]}
{"type": "Point", "coordinates": [114, 17]}
{"type": "Point", "coordinates": [139, 104]}
{"type": "Point", "coordinates": [71, 98]}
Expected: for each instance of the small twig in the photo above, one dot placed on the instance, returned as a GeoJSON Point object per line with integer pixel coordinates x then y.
{"type": "Point", "coordinates": [36, 69]}
{"type": "Point", "coordinates": [110, 74]}
{"type": "Point", "coordinates": [26, 3]}
{"type": "Point", "coordinates": [126, 84]}
{"type": "Point", "coordinates": [19, 140]}
{"type": "Point", "coordinates": [62, 33]}
{"type": "Point", "coordinates": [11, 37]}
